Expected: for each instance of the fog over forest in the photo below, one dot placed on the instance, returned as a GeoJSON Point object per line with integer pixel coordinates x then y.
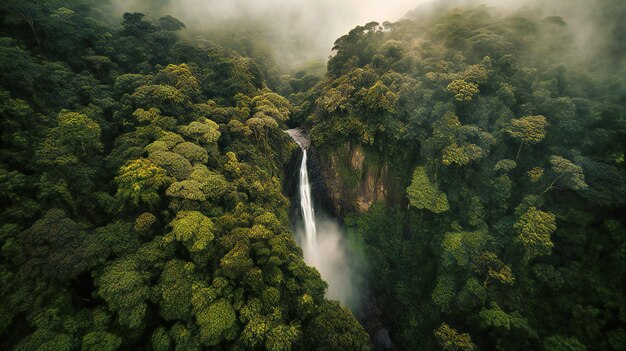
{"type": "Point", "coordinates": [300, 32]}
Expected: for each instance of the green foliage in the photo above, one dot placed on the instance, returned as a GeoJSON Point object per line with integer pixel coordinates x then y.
{"type": "Point", "coordinates": [444, 292]}
{"type": "Point", "coordinates": [423, 194]}
{"type": "Point", "coordinates": [176, 165]}
{"type": "Point", "coordinates": [562, 343]}
{"type": "Point", "coordinates": [75, 138]}
{"type": "Point", "coordinates": [380, 98]}
{"type": "Point", "coordinates": [110, 132]}
{"type": "Point", "coordinates": [472, 89]}
{"type": "Point", "coordinates": [101, 341]}
{"type": "Point", "coordinates": [124, 287]}
{"type": "Point", "coordinates": [216, 321]}
{"type": "Point", "coordinates": [191, 228]}
{"type": "Point", "coordinates": [175, 290]}
{"type": "Point", "coordinates": [463, 90]}
{"type": "Point", "coordinates": [567, 173]}
{"type": "Point", "coordinates": [203, 131]}
{"type": "Point", "coordinates": [451, 340]}
{"type": "Point", "coordinates": [534, 228]}
{"type": "Point", "coordinates": [332, 328]}
{"type": "Point", "coordinates": [529, 129]}
{"type": "Point", "coordinates": [139, 182]}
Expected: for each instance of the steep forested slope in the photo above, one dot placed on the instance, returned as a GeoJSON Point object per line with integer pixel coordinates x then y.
{"type": "Point", "coordinates": [478, 160]}
{"type": "Point", "coordinates": [140, 179]}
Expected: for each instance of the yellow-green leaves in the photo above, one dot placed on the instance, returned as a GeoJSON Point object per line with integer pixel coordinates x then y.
{"type": "Point", "coordinates": [451, 340]}
{"type": "Point", "coordinates": [203, 131]}
{"type": "Point", "coordinates": [124, 287]}
{"type": "Point", "coordinates": [444, 292]}
{"type": "Point", "coordinates": [175, 291]}
{"type": "Point", "coordinates": [423, 194]}
{"type": "Point", "coordinates": [237, 262]}
{"type": "Point", "coordinates": [139, 182]}
{"type": "Point", "coordinates": [75, 137]}
{"type": "Point", "coordinates": [529, 129]}
{"type": "Point", "coordinates": [192, 152]}
{"type": "Point", "coordinates": [463, 90]}
{"type": "Point", "coordinates": [461, 156]}
{"type": "Point", "coordinates": [491, 268]}
{"type": "Point", "coordinates": [380, 98]}
{"type": "Point", "coordinates": [568, 173]}
{"type": "Point", "coordinates": [458, 246]}
{"type": "Point", "coordinates": [216, 322]}
{"type": "Point", "coordinates": [534, 229]}
{"type": "Point", "coordinates": [535, 174]}
{"type": "Point", "coordinates": [193, 229]}
{"type": "Point", "coordinates": [180, 77]}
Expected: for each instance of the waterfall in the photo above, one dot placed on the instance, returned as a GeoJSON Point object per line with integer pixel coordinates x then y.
{"type": "Point", "coordinates": [326, 252]}
{"type": "Point", "coordinates": [306, 204]}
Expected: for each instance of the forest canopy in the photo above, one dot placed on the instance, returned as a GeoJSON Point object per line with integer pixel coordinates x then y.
{"type": "Point", "coordinates": [474, 155]}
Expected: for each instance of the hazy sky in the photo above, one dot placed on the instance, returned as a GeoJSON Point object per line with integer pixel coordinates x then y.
{"type": "Point", "coordinates": [302, 30]}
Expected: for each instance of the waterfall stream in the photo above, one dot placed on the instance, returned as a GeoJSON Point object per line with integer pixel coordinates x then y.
{"type": "Point", "coordinates": [321, 237]}
{"type": "Point", "coordinates": [306, 203]}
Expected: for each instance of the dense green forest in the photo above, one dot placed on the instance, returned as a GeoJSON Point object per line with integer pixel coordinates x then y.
{"type": "Point", "coordinates": [474, 156]}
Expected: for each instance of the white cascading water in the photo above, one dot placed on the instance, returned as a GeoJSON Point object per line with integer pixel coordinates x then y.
{"type": "Point", "coordinates": [326, 251]}
{"type": "Point", "coordinates": [306, 204]}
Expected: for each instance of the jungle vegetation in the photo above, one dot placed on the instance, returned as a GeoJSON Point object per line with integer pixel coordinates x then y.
{"type": "Point", "coordinates": [142, 171]}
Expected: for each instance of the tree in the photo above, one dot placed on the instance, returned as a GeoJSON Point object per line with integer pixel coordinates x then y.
{"type": "Point", "coordinates": [528, 130]}
{"type": "Point", "coordinates": [567, 173]}
{"type": "Point", "coordinates": [28, 12]}
{"type": "Point", "coordinates": [174, 289]}
{"type": "Point", "coordinates": [217, 319]}
{"type": "Point", "coordinates": [203, 131]}
{"type": "Point", "coordinates": [139, 182]}
{"type": "Point", "coordinates": [176, 165]}
{"type": "Point", "coordinates": [54, 248]}
{"type": "Point", "coordinates": [166, 98]}
{"type": "Point", "coordinates": [461, 156]}
{"type": "Point", "coordinates": [96, 341]}
{"type": "Point", "coordinates": [451, 340]}
{"type": "Point", "coordinates": [463, 90]}
{"type": "Point", "coordinates": [134, 25]}
{"type": "Point", "coordinates": [534, 228]}
{"type": "Point", "coordinates": [171, 24]}
{"type": "Point", "coordinates": [191, 228]}
{"type": "Point", "coordinates": [423, 194]}
{"type": "Point", "coordinates": [193, 152]}
{"type": "Point", "coordinates": [492, 269]}
{"type": "Point", "coordinates": [99, 62]}
{"type": "Point", "coordinates": [124, 288]}
{"type": "Point", "coordinates": [144, 224]}
{"type": "Point", "coordinates": [333, 329]}
{"type": "Point", "coordinates": [75, 138]}
{"type": "Point", "coordinates": [181, 78]}
{"type": "Point", "coordinates": [444, 292]}
{"type": "Point", "coordinates": [153, 116]}
{"type": "Point", "coordinates": [380, 98]}
{"type": "Point", "coordinates": [563, 343]}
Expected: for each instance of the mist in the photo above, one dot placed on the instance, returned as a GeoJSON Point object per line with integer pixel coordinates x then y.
{"type": "Point", "coordinates": [335, 261]}
{"type": "Point", "coordinates": [298, 32]}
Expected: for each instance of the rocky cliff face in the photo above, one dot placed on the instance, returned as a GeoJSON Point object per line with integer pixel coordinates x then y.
{"type": "Point", "coordinates": [355, 177]}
